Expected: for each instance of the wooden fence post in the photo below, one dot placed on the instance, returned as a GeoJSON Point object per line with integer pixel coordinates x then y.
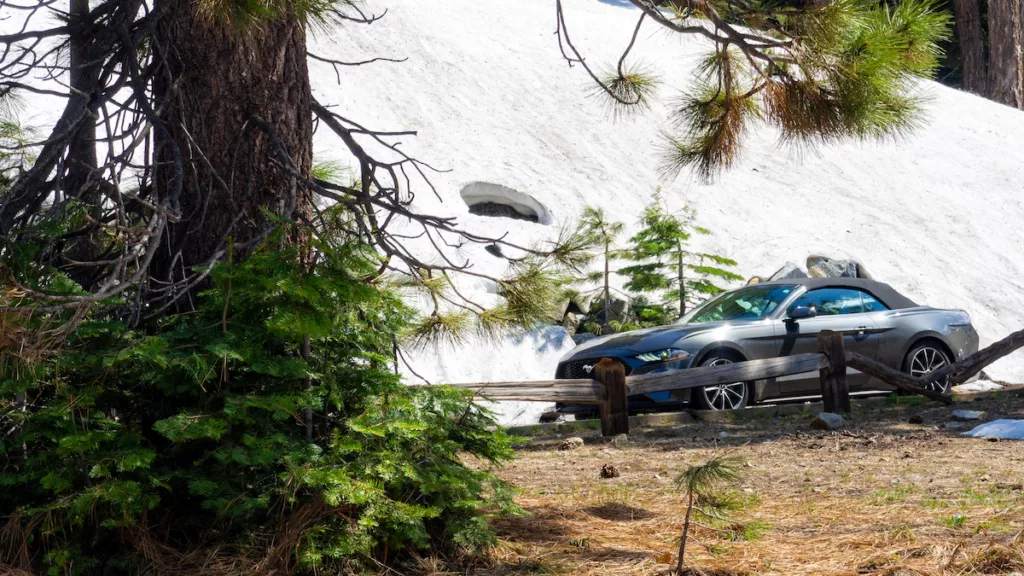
{"type": "Point", "coordinates": [615, 407]}
{"type": "Point", "coordinates": [835, 391]}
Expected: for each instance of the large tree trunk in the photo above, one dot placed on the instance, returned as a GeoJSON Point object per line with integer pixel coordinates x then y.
{"type": "Point", "coordinates": [80, 179]}
{"type": "Point", "coordinates": [972, 45]}
{"type": "Point", "coordinates": [1006, 52]}
{"type": "Point", "coordinates": [228, 81]}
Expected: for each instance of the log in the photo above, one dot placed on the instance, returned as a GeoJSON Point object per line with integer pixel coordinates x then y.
{"type": "Point", "coordinates": [895, 378]}
{"type": "Point", "coordinates": [726, 374]}
{"type": "Point", "coordinates": [967, 368]}
{"type": "Point", "coordinates": [615, 408]}
{"type": "Point", "coordinates": [578, 391]}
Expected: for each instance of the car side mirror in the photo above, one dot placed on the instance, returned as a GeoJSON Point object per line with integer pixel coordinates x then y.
{"type": "Point", "coordinates": [802, 313]}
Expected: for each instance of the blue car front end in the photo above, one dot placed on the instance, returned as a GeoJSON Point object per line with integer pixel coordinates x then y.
{"type": "Point", "coordinates": [578, 364]}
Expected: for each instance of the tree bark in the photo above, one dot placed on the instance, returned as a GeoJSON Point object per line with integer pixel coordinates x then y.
{"type": "Point", "coordinates": [226, 87]}
{"type": "Point", "coordinates": [682, 283]}
{"type": "Point", "coordinates": [607, 285]}
{"type": "Point", "coordinates": [972, 45]}
{"type": "Point", "coordinates": [80, 178]}
{"type": "Point", "coordinates": [1006, 52]}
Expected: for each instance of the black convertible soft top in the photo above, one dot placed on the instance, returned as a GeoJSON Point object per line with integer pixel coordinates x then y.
{"type": "Point", "coordinates": [892, 299]}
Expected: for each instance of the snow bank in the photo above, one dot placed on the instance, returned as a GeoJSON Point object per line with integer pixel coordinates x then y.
{"type": "Point", "coordinates": [531, 356]}
{"type": "Point", "coordinates": [937, 215]}
{"type": "Point", "coordinates": [1003, 429]}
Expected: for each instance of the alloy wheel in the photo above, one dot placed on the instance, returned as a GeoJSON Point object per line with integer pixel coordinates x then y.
{"type": "Point", "coordinates": [927, 360]}
{"type": "Point", "coordinates": [724, 396]}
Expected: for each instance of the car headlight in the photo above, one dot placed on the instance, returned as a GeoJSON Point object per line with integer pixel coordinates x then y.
{"type": "Point", "coordinates": [666, 355]}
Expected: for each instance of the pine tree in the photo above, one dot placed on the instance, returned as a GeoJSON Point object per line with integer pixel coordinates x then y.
{"type": "Point", "coordinates": [604, 232]}
{"type": "Point", "coordinates": [666, 264]}
{"type": "Point", "coordinates": [700, 482]}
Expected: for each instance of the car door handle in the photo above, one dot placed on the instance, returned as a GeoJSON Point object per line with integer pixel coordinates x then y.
{"type": "Point", "coordinates": [860, 330]}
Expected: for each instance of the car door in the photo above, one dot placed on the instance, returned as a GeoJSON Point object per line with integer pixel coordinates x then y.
{"type": "Point", "coordinates": [839, 309]}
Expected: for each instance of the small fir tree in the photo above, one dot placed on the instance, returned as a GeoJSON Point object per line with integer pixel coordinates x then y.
{"type": "Point", "coordinates": [665, 263]}
{"type": "Point", "coordinates": [701, 483]}
{"type": "Point", "coordinates": [603, 233]}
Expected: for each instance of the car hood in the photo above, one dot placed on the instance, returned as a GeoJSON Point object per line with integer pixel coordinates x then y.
{"type": "Point", "coordinates": [648, 339]}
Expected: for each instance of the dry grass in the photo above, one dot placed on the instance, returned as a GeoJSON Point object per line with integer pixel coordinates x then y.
{"type": "Point", "coordinates": [885, 498]}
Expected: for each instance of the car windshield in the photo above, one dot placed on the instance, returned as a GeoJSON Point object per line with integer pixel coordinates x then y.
{"type": "Point", "coordinates": [750, 303]}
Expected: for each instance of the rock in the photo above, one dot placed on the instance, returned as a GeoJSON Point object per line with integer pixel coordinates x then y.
{"type": "Point", "coordinates": [571, 322]}
{"type": "Point", "coordinates": [620, 440]}
{"type": "Point", "coordinates": [571, 443]}
{"type": "Point", "coordinates": [556, 418]}
{"type": "Point", "coordinates": [548, 417]}
{"type": "Point", "coordinates": [581, 303]}
{"type": "Point", "coordinates": [916, 419]}
{"type": "Point", "coordinates": [619, 308]}
{"type": "Point", "coordinates": [609, 471]}
{"type": "Point", "coordinates": [723, 435]}
{"type": "Point", "coordinates": [968, 415]}
{"type": "Point", "coordinates": [581, 337]}
{"type": "Point", "coordinates": [754, 280]}
{"type": "Point", "coordinates": [825, 267]}
{"type": "Point", "coordinates": [556, 312]}
{"type": "Point", "coordinates": [827, 421]}
{"type": "Point", "coordinates": [788, 270]}
{"type": "Point", "coordinates": [952, 425]}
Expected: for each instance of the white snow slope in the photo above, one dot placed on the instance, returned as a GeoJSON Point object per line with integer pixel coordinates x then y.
{"type": "Point", "coordinates": [938, 214]}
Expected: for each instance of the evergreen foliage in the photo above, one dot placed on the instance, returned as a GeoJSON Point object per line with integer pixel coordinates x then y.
{"type": "Point", "coordinates": [269, 426]}
{"type": "Point", "coordinates": [816, 71]}
{"type": "Point", "coordinates": [665, 263]}
{"type": "Point", "coordinates": [703, 504]}
{"type": "Point", "coordinates": [603, 233]}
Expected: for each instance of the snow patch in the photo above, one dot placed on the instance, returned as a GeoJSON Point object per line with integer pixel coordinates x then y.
{"type": "Point", "coordinates": [978, 386]}
{"type": "Point", "coordinates": [1003, 429]}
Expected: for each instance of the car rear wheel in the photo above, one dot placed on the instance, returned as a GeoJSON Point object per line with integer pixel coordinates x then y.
{"type": "Point", "coordinates": [724, 396]}
{"type": "Point", "coordinates": [926, 358]}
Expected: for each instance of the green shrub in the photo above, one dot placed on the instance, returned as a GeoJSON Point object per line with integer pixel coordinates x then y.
{"type": "Point", "coordinates": [139, 450]}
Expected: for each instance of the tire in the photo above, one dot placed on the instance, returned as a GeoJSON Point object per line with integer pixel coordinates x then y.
{"type": "Point", "coordinates": [725, 397]}
{"type": "Point", "coordinates": [926, 357]}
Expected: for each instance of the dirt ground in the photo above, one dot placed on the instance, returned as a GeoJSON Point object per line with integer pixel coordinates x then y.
{"type": "Point", "coordinates": [883, 496]}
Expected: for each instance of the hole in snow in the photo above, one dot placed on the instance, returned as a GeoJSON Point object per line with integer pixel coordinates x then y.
{"type": "Point", "coordinates": [486, 199]}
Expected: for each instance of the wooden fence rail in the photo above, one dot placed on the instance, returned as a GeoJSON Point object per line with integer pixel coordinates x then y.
{"type": "Point", "coordinates": [610, 388]}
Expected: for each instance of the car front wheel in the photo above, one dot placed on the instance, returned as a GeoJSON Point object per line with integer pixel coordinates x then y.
{"type": "Point", "coordinates": [724, 396]}
{"type": "Point", "coordinates": [924, 359]}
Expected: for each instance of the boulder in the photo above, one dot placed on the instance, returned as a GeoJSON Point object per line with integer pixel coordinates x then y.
{"type": "Point", "coordinates": [571, 443]}
{"type": "Point", "coordinates": [619, 308]}
{"type": "Point", "coordinates": [571, 322]}
{"type": "Point", "coordinates": [556, 311]}
{"type": "Point", "coordinates": [581, 303]}
{"type": "Point", "coordinates": [827, 421]}
{"type": "Point", "coordinates": [825, 267]}
{"type": "Point", "coordinates": [789, 270]}
{"type": "Point", "coordinates": [754, 280]}
{"type": "Point", "coordinates": [581, 337]}
{"type": "Point", "coordinates": [620, 440]}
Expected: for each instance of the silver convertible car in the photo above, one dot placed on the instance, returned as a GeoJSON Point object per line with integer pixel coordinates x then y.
{"type": "Point", "coordinates": [778, 319]}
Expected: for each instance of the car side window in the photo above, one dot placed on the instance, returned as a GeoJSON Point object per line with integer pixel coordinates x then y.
{"type": "Point", "coordinates": [871, 304]}
{"type": "Point", "coordinates": [836, 301]}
